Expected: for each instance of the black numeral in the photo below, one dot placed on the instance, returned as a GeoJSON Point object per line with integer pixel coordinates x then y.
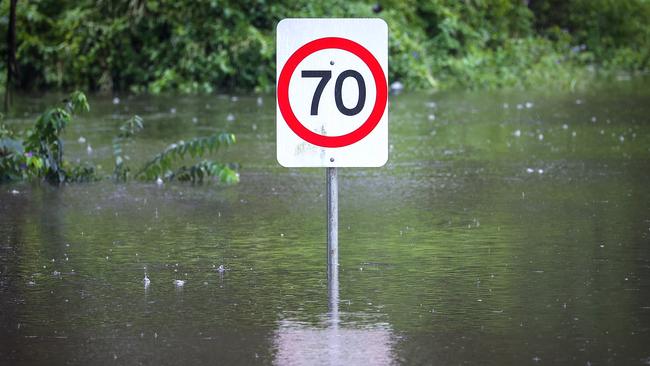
{"type": "Point", "coordinates": [338, 97]}
{"type": "Point", "coordinates": [325, 76]}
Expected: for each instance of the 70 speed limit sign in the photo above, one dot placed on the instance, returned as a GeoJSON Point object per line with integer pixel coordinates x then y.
{"type": "Point", "coordinates": [332, 92]}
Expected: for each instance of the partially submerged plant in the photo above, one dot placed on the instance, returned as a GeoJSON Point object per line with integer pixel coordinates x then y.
{"type": "Point", "coordinates": [161, 166]}
{"type": "Point", "coordinates": [12, 156]}
{"type": "Point", "coordinates": [40, 153]}
{"type": "Point", "coordinates": [132, 126]}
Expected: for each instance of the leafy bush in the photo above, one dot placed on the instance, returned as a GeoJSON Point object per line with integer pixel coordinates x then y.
{"type": "Point", "coordinates": [161, 166]}
{"type": "Point", "coordinates": [38, 152]}
{"type": "Point", "coordinates": [205, 45]}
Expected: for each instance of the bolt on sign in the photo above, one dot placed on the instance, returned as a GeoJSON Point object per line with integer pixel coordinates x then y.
{"type": "Point", "coordinates": [332, 93]}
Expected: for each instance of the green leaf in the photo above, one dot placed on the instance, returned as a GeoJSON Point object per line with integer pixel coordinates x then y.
{"type": "Point", "coordinates": [197, 147]}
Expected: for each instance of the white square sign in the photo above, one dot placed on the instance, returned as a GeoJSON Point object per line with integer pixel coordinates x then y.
{"type": "Point", "coordinates": [332, 92]}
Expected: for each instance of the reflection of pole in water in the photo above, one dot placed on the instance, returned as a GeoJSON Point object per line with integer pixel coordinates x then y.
{"type": "Point", "coordinates": [332, 344]}
{"type": "Point", "coordinates": [333, 340]}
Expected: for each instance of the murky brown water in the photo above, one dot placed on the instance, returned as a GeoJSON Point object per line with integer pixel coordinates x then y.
{"type": "Point", "coordinates": [500, 232]}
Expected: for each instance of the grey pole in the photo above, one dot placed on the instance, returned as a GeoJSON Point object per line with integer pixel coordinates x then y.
{"type": "Point", "coordinates": [333, 337]}
{"type": "Point", "coordinates": [332, 226]}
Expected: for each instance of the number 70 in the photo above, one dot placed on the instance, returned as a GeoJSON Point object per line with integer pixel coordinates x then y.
{"type": "Point", "coordinates": [325, 76]}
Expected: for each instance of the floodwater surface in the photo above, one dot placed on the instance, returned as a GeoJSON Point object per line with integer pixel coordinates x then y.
{"type": "Point", "coordinates": [507, 228]}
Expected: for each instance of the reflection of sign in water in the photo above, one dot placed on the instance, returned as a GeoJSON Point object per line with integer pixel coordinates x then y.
{"type": "Point", "coordinates": [297, 345]}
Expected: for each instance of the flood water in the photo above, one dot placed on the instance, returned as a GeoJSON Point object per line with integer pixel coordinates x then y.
{"type": "Point", "coordinates": [507, 228]}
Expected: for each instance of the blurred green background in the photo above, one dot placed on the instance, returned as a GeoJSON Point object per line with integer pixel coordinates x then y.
{"type": "Point", "coordinates": [208, 45]}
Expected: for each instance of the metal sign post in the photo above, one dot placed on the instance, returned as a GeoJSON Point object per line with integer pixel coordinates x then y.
{"type": "Point", "coordinates": [332, 225]}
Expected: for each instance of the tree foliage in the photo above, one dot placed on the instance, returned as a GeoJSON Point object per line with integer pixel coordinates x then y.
{"type": "Point", "coordinates": [203, 45]}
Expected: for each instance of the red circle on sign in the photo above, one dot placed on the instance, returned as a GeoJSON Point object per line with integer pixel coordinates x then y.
{"type": "Point", "coordinates": [377, 74]}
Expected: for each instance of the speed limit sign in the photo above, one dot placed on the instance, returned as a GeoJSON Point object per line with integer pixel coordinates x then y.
{"type": "Point", "coordinates": [332, 92]}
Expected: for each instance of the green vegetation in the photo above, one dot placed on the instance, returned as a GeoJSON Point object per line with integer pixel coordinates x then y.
{"type": "Point", "coordinates": [37, 153]}
{"type": "Point", "coordinates": [201, 46]}
{"type": "Point", "coordinates": [161, 164]}
{"type": "Point", "coordinates": [127, 131]}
